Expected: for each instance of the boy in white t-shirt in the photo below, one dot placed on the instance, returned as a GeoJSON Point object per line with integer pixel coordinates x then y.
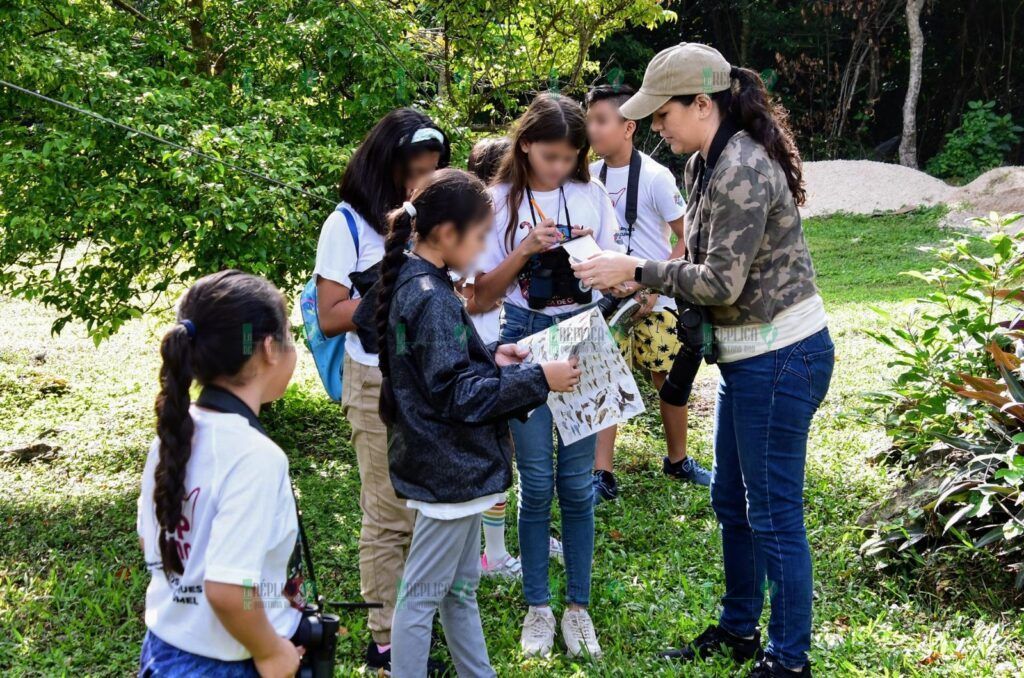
{"type": "Point", "coordinates": [657, 213]}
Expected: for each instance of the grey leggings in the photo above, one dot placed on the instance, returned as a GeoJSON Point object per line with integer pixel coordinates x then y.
{"type": "Point", "coordinates": [441, 573]}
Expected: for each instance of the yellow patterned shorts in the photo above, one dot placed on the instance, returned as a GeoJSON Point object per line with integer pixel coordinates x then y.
{"type": "Point", "coordinates": [653, 343]}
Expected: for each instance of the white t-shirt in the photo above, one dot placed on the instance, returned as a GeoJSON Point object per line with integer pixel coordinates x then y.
{"type": "Point", "coordinates": [487, 324]}
{"type": "Point", "coordinates": [238, 526]}
{"type": "Point", "coordinates": [589, 207]}
{"type": "Point", "coordinates": [336, 260]}
{"type": "Point", "coordinates": [658, 202]}
{"type": "Point", "coordinates": [456, 511]}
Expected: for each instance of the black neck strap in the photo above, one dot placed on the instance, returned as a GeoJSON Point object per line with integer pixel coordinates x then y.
{"type": "Point", "coordinates": [565, 204]}
{"type": "Point", "coordinates": [632, 191]}
{"type": "Point", "coordinates": [706, 166]}
{"type": "Point", "coordinates": [222, 400]}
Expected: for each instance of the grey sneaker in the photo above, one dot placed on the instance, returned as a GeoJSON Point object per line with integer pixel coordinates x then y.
{"type": "Point", "coordinates": [579, 635]}
{"type": "Point", "coordinates": [538, 635]}
{"type": "Point", "coordinates": [687, 469]}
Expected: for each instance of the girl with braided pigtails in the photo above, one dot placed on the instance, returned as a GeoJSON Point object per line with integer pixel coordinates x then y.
{"type": "Point", "coordinates": [446, 399]}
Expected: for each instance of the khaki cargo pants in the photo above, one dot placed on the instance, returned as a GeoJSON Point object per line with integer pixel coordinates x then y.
{"type": "Point", "coordinates": [387, 522]}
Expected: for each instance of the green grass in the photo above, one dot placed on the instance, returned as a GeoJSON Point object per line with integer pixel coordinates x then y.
{"type": "Point", "coordinates": [71, 575]}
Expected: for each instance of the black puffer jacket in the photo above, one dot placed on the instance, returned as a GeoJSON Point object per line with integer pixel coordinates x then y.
{"type": "Point", "coordinates": [450, 440]}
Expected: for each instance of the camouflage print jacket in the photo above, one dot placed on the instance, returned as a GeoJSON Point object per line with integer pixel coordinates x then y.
{"type": "Point", "coordinates": [744, 235]}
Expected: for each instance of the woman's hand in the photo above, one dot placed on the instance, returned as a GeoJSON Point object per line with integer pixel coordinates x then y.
{"type": "Point", "coordinates": [282, 661]}
{"type": "Point", "coordinates": [542, 237]}
{"type": "Point", "coordinates": [510, 354]}
{"type": "Point", "coordinates": [562, 375]}
{"type": "Point", "coordinates": [607, 269]}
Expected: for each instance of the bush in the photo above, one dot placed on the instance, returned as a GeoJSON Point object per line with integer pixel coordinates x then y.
{"type": "Point", "coordinates": [956, 411]}
{"type": "Point", "coordinates": [979, 144]}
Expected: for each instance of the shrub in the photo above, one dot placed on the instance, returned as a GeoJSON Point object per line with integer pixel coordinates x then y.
{"type": "Point", "coordinates": [956, 411]}
{"type": "Point", "coordinates": [979, 144]}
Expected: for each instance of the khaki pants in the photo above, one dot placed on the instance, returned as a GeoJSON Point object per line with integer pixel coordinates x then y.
{"type": "Point", "coordinates": [387, 522]}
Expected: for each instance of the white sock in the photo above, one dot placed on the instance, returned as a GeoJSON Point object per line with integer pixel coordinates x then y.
{"type": "Point", "coordinates": [494, 534]}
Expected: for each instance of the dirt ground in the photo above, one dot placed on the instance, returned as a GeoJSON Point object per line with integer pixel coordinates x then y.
{"type": "Point", "coordinates": [867, 187]}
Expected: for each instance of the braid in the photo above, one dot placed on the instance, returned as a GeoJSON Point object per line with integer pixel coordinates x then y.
{"type": "Point", "coordinates": [394, 256]}
{"type": "Point", "coordinates": [174, 427]}
{"type": "Point", "coordinates": [229, 315]}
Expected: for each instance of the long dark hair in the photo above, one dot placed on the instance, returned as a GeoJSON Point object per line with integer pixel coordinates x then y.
{"type": "Point", "coordinates": [486, 156]}
{"type": "Point", "coordinates": [749, 107]}
{"type": "Point", "coordinates": [448, 195]}
{"type": "Point", "coordinates": [223, 319]}
{"type": "Point", "coordinates": [550, 117]}
{"type": "Point", "coordinates": [374, 180]}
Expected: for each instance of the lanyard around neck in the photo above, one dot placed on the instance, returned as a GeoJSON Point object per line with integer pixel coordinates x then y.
{"type": "Point", "coordinates": [565, 205]}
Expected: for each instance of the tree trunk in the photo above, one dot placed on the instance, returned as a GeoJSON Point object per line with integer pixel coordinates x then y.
{"type": "Point", "coordinates": [201, 42]}
{"type": "Point", "coordinates": [908, 143]}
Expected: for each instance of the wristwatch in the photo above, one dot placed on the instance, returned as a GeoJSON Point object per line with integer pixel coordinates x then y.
{"type": "Point", "coordinates": [638, 272]}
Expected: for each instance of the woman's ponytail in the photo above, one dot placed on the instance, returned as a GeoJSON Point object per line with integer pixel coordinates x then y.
{"type": "Point", "coordinates": [174, 428]}
{"type": "Point", "coordinates": [399, 232]}
{"type": "Point", "coordinates": [767, 122]}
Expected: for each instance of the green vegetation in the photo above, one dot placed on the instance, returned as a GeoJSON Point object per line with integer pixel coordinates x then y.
{"type": "Point", "coordinates": [72, 581]}
{"type": "Point", "coordinates": [956, 408]}
{"type": "Point", "coordinates": [982, 142]}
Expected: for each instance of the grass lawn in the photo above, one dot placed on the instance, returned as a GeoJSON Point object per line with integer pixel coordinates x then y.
{"type": "Point", "coordinates": [72, 581]}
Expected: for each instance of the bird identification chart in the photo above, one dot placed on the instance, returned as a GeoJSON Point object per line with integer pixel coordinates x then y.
{"type": "Point", "coordinates": [607, 393]}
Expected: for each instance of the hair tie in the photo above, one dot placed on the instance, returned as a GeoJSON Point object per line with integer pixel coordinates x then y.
{"type": "Point", "coordinates": [410, 209]}
{"type": "Point", "coordinates": [734, 72]}
{"type": "Point", "coordinates": [190, 328]}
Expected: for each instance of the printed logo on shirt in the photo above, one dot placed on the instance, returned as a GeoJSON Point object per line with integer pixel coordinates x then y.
{"type": "Point", "coordinates": [616, 196]}
{"type": "Point", "coordinates": [181, 533]}
{"type": "Point", "coordinates": [679, 199]}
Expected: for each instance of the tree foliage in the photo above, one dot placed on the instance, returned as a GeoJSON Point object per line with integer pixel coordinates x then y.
{"type": "Point", "coordinates": [100, 223]}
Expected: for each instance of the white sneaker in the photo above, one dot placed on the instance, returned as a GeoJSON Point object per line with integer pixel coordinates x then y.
{"type": "Point", "coordinates": [579, 634]}
{"type": "Point", "coordinates": [508, 568]}
{"type": "Point", "coordinates": [538, 632]}
{"type": "Point", "coordinates": [555, 550]}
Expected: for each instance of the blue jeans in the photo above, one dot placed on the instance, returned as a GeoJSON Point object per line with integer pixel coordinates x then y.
{"type": "Point", "coordinates": [538, 478]}
{"type": "Point", "coordinates": [764, 411]}
{"type": "Point", "coordinates": [163, 659]}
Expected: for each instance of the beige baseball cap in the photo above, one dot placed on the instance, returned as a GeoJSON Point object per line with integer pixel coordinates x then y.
{"type": "Point", "coordinates": [687, 68]}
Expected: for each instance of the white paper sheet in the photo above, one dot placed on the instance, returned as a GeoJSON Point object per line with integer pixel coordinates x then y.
{"type": "Point", "coordinates": [607, 393]}
{"type": "Point", "coordinates": [581, 249]}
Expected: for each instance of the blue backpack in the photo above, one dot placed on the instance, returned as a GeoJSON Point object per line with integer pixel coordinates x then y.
{"type": "Point", "coordinates": [328, 352]}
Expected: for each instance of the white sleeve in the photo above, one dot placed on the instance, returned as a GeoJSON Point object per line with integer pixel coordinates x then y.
{"type": "Point", "coordinates": [494, 250]}
{"type": "Point", "coordinates": [668, 201]}
{"type": "Point", "coordinates": [144, 504]}
{"type": "Point", "coordinates": [247, 504]}
{"type": "Point", "coordinates": [336, 256]}
{"type": "Point", "coordinates": [608, 220]}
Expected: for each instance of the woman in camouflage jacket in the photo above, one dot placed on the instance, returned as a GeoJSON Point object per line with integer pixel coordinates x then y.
{"type": "Point", "coordinates": [748, 265]}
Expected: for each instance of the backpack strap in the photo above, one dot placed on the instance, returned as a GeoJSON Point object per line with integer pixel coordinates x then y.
{"type": "Point", "coordinates": [632, 191]}
{"type": "Point", "coordinates": [351, 221]}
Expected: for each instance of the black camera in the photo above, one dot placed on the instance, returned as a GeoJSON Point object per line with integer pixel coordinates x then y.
{"type": "Point", "coordinates": [318, 635]}
{"type": "Point", "coordinates": [696, 343]}
{"type": "Point", "coordinates": [552, 277]}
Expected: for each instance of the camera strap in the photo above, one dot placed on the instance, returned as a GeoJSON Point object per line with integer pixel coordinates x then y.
{"type": "Point", "coordinates": [222, 400]}
{"type": "Point", "coordinates": [565, 205]}
{"type": "Point", "coordinates": [706, 167]}
{"type": "Point", "coordinates": [632, 192]}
